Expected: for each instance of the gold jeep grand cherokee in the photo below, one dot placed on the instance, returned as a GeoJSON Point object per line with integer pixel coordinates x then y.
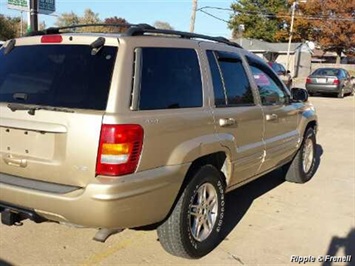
{"type": "Point", "coordinates": [149, 127]}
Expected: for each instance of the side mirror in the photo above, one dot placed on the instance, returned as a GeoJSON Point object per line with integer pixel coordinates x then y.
{"type": "Point", "coordinates": [299, 94]}
{"type": "Point", "coordinates": [288, 72]}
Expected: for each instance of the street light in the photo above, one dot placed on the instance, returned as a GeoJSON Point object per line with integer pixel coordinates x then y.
{"type": "Point", "coordinates": [293, 8]}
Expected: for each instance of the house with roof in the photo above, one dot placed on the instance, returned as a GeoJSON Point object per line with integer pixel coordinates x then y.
{"type": "Point", "coordinates": [299, 59]}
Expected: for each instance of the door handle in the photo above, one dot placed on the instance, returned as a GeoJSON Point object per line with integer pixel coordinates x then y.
{"type": "Point", "coordinates": [227, 122]}
{"type": "Point", "coordinates": [271, 117]}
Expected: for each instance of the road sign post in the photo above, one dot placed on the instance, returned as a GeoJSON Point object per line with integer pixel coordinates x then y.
{"type": "Point", "coordinates": [33, 7]}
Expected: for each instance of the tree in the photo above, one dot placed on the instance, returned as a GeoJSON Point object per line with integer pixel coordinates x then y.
{"type": "Point", "coordinates": [10, 27]}
{"type": "Point", "coordinates": [67, 19]}
{"type": "Point", "coordinates": [90, 17]}
{"type": "Point", "coordinates": [163, 25]}
{"type": "Point", "coordinates": [302, 28]}
{"type": "Point", "coordinates": [7, 31]}
{"type": "Point", "coordinates": [258, 17]}
{"type": "Point", "coordinates": [333, 24]}
{"type": "Point", "coordinates": [115, 20]}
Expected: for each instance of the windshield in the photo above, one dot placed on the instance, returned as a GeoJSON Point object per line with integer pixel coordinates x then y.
{"type": "Point", "coordinates": [57, 75]}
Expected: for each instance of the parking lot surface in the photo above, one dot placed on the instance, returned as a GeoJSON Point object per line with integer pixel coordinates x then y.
{"type": "Point", "coordinates": [268, 221]}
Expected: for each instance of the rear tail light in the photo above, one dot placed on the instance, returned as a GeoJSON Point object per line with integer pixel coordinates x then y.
{"type": "Point", "coordinates": [51, 39]}
{"type": "Point", "coordinates": [308, 80]}
{"type": "Point", "coordinates": [119, 151]}
{"type": "Point", "coordinates": [336, 82]}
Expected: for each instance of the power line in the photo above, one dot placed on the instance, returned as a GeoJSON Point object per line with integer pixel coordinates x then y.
{"type": "Point", "coordinates": [213, 16]}
{"type": "Point", "coordinates": [268, 15]}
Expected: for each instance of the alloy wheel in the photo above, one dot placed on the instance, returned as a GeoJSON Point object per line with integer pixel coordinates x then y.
{"type": "Point", "coordinates": [203, 211]}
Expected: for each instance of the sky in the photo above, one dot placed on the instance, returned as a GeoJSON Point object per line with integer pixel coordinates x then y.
{"type": "Point", "coordinates": [176, 13]}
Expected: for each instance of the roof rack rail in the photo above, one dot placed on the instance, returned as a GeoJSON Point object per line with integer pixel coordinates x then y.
{"type": "Point", "coordinates": [56, 30]}
{"type": "Point", "coordinates": [136, 31]}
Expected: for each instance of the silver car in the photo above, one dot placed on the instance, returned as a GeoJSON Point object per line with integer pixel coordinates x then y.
{"type": "Point", "coordinates": [335, 81]}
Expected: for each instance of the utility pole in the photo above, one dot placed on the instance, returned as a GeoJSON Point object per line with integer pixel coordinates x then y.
{"type": "Point", "coordinates": [293, 9]}
{"type": "Point", "coordinates": [34, 15]}
{"type": "Point", "coordinates": [193, 15]}
{"type": "Point", "coordinates": [291, 32]}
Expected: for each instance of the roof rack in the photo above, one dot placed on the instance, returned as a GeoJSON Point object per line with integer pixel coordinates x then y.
{"type": "Point", "coordinates": [138, 30]}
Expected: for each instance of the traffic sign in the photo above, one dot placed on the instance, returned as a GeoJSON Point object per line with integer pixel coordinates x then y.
{"type": "Point", "coordinates": [45, 7]}
{"type": "Point", "coordinates": [22, 5]}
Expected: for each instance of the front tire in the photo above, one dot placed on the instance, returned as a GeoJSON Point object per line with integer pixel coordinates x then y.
{"type": "Point", "coordinates": [303, 166]}
{"type": "Point", "coordinates": [193, 228]}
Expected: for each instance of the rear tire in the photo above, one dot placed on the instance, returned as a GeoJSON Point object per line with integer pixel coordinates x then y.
{"type": "Point", "coordinates": [302, 167]}
{"type": "Point", "coordinates": [192, 229]}
{"type": "Point", "coordinates": [341, 93]}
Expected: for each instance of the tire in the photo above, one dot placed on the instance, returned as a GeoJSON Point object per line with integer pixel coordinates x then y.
{"type": "Point", "coordinates": [205, 197]}
{"type": "Point", "coordinates": [341, 93]}
{"type": "Point", "coordinates": [303, 165]}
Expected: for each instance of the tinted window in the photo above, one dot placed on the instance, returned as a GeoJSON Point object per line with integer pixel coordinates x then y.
{"type": "Point", "coordinates": [170, 78]}
{"type": "Point", "coordinates": [219, 92]}
{"type": "Point", "coordinates": [57, 75]}
{"type": "Point", "coordinates": [326, 72]}
{"type": "Point", "coordinates": [270, 92]}
{"type": "Point", "coordinates": [278, 68]}
{"type": "Point", "coordinates": [236, 87]}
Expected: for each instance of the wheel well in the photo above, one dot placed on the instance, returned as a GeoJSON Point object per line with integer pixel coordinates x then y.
{"type": "Point", "coordinates": [216, 159]}
{"type": "Point", "coordinates": [312, 124]}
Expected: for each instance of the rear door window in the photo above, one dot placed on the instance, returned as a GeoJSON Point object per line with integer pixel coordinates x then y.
{"type": "Point", "coordinates": [57, 75]}
{"type": "Point", "coordinates": [230, 83]}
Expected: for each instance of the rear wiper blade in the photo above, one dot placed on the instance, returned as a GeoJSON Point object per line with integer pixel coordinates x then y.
{"type": "Point", "coordinates": [9, 46]}
{"type": "Point", "coordinates": [32, 109]}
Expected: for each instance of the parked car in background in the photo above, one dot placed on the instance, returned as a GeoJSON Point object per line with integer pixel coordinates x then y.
{"type": "Point", "coordinates": [335, 81]}
{"type": "Point", "coordinates": [285, 75]}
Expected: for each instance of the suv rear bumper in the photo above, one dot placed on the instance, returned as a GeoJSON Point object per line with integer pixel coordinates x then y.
{"type": "Point", "coordinates": [129, 201]}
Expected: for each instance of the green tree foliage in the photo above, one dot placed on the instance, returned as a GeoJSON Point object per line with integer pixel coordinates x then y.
{"type": "Point", "coordinates": [258, 17]}
{"type": "Point", "coordinates": [6, 29]}
{"type": "Point", "coordinates": [10, 27]}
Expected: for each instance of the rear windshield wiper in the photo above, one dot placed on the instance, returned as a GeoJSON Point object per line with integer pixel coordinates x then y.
{"type": "Point", "coordinates": [9, 46]}
{"type": "Point", "coordinates": [32, 109]}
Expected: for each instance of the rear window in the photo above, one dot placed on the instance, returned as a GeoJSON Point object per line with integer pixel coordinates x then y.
{"type": "Point", "coordinates": [57, 75]}
{"type": "Point", "coordinates": [326, 72]}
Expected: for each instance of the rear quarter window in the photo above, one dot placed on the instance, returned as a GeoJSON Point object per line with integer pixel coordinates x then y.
{"type": "Point", "coordinates": [170, 78]}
